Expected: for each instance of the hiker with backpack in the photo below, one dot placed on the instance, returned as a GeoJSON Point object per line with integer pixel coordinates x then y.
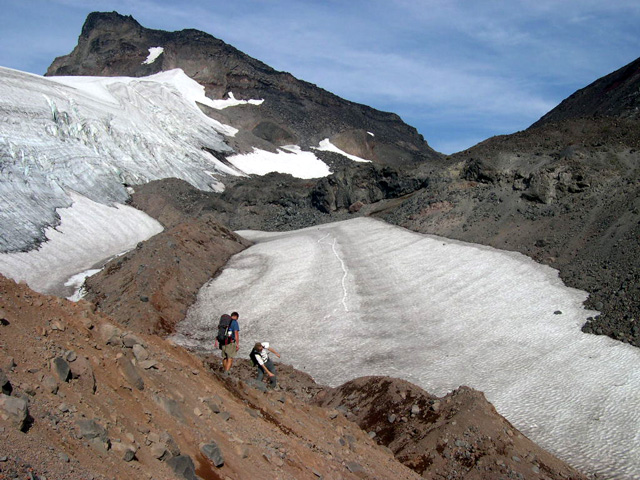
{"type": "Point", "coordinates": [228, 339]}
{"type": "Point", "coordinates": [260, 358]}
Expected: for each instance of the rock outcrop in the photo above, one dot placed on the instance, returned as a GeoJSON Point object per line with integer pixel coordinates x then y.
{"type": "Point", "coordinates": [456, 436]}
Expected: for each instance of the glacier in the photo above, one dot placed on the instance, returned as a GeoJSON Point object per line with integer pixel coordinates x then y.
{"type": "Point", "coordinates": [362, 297]}
{"type": "Point", "coordinates": [94, 136]}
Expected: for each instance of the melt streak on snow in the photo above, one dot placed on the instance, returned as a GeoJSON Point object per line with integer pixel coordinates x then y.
{"type": "Point", "coordinates": [88, 232]}
{"type": "Point", "coordinates": [362, 297]}
{"type": "Point", "coordinates": [93, 136]}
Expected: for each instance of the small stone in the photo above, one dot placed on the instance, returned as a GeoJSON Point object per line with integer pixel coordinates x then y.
{"type": "Point", "coordinates": [50, 384]}
{"type": "Point", "coordinates": [61, 368]}
{"type": "Point", "coordinates": [391, 418]}
{"type": "Point", "coordinates": [224, 416]}
{"type": "Point", "coordinates": [557, 312]}
{"type": "Point", "coordinates": [70, 356]}
{"type": "Point", "coordinates": [354, 467]}
{"type": "Point", "coordinates": [415, 410]}
{"type": "Point", "coordinates": [515, 458]}
{"type": "Point", "coordinates": [242, 451]}
{"type": "Point", "coordinates": [14, 411]}
{"type": "Point", "coordinates": [148, 364]}
{"type": "Point", "coordinates": [213, 406]}
{"type": "Point", "coordinates": [197, 412]}
{"type": "Point", "coordinates": [372, 434]}
{"type": "Point", "coordinates": [213, 453]}
{"type": "Point", "coordinates": [64, 457]}
{"type": "Point", "coordinates": [57, 325]}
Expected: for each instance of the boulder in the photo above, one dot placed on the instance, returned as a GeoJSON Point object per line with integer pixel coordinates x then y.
{"type": "Point", "coordinates": [130, 373]}
{"type": "Point", "coordinates": [110, 334]}
{"type": "Point", "coordinates": [82, 371]}
{"type": "Point", "coordinates": [14, 411]}
{"type": "Point", "coordinates": [212, 451]}
{"type": "Point", "coordinates": [49, 384]}
{"type": "Point", "coordinates": [61, 368]}
{"type": "Point", "coordinates": [130, 340]}
{"type": "Point", "coordinates": [183, 467]}
{"type": "Point", "coordinates": [140, 352]}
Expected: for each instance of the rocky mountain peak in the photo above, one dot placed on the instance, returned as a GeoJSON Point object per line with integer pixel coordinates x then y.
{"type": "Point", "coordinates": [108, 21]}
{"type": "Point", "coordinates": [293, 111]}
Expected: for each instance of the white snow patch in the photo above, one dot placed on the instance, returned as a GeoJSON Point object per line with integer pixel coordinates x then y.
{"type": "Point", "coordinates": [232, 102]}
{"type": "Point", "coordinates": [154, 53]}
{"type": "Point", "coordinates": [327, 146]}
{"type": "Point", "coordinates": [440, 314]}
{"type": "Point", "coordinates": [290, 159]}
{"type": "Point", "coordinates": [88, 233]}
{"type": "Point", "coordinates": [77, 281]}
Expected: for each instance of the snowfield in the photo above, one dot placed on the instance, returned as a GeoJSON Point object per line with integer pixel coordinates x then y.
{"type": "Point", "coordinates": [89, 233]}
{"type": "Point", "coordinates": [362, 297]}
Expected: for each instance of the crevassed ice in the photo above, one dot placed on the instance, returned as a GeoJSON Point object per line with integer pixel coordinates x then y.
{"type": "Point", "coordinates": [94, 136]}
{"type": "Point", "coordinates": [364, 298]}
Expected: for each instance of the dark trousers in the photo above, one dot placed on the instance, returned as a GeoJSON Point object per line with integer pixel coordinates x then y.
{"type": "Point", "coordinates": [272, 368]}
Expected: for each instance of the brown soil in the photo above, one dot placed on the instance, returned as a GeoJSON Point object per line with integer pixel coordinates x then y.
{"type": "Point", "coordinates": [173, 402]}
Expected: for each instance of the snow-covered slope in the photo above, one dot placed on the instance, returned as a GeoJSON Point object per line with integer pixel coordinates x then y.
{"type": "Point", "coordinates": [364, 298]}
{"type": "Point", "coordinates": [92, 136]}
{"type": "Point", "coordinates": [88, 233]}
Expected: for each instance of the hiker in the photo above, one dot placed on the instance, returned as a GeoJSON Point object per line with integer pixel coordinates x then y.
{"type": "Point", "coordinates": [260, 358]}
{"type": "Point", "coordinates": [228, 339]}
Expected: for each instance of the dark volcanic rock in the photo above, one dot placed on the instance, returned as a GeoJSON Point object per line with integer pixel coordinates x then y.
{"type": "Point", "coordinates": [293, 110]}
{"type": "Point", "coordinates": [615, 95]}
{"type": "Point", "coordinates": [461, 432]}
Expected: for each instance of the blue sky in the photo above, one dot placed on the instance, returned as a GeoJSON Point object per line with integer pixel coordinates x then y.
{"type": "Point", "coordinates": [458, 71]}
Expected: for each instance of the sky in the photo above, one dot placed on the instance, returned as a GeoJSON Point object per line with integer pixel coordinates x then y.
{"type": "Point", "coordinates": [458, 71]}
